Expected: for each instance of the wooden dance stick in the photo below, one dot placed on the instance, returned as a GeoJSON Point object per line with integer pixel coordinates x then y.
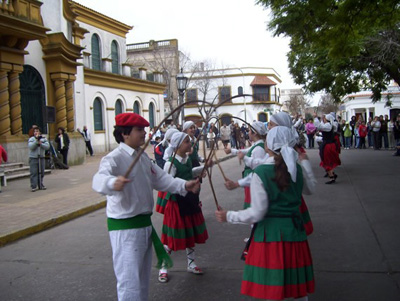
{"type": "Point", "coordinates": [220, 168]}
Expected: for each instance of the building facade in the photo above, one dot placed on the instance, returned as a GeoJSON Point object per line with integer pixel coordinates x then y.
{"type": "Point", "coordinates": [64, 65]}
{"type": "Point", "coordinates": [240, 94]}
{"type": "Point", "coordinates": [360, 104]}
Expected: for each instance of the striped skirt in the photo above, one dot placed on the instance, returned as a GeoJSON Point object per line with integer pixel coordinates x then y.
{"type": "Point", "coordinates": [305, 216]}
{"type": "Point", "coordinates": [161, 202]}
{"type": "Point", "coordinates": [181, 232]}
{"type": "Point", "coordinates": [247, 198]}
{"type": "Point", "coordinates": [278, 270]}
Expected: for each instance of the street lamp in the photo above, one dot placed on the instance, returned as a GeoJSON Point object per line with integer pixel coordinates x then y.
{"type": "Point", "coordinates": [181, 82]}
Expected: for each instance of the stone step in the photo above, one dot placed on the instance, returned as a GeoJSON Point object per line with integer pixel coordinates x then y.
{"type": "Point", "coordinates": [23, 175]}
{"type": "Point", "coordinates": [7, 166]}
{"type": "Point", "coordinates": [11, 171]}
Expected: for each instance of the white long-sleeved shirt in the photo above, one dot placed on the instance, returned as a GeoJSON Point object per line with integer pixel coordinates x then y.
{"type": "Point", "coordinates": [257, 155]}
{"type": "Point", "coordinates": [137, 196]}
{"type": "Point", "coordinates": [323, 127]}
{"type": "Point", "coordinates": [259, 197]}
{"type": "Point", "coordinates": [196, 170]}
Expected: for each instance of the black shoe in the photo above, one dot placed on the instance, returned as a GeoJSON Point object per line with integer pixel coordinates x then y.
{"type": "Point", "coordinates": [331, 181]}
{"type": "Point", "coordinates": [326, 175]}
{"type": "Point", "coordinates": [335, 176]}
{"type": "Point", "coordinates": [43, 187]}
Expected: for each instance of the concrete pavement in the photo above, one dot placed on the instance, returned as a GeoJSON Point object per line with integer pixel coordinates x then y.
{"type": "Point", "coordinates": [69, 195]}
{"type": "Point", "coordinates": [354, 245]}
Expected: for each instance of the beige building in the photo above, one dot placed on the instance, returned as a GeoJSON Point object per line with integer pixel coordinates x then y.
{"type": "Point", "coordinates": [65, 65]}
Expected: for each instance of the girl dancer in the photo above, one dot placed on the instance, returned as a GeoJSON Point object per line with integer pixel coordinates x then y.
{"type": "Point", "coordinates": [279, 263]}
{"type": "Point", "coordinates": [183, 224]}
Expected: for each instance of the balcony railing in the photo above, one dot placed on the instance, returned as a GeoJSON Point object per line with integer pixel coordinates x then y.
{"type": "Point", "coordinates": [24, 9]}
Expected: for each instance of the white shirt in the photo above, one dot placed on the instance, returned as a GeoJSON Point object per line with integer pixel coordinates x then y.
{"type": "Point", "coordinates": [196, 170]}
{"type": "Point", "coordinates": [321, 126]}
{"type": "Point", "coordinates": [259, 197]}
{"type": "Point", "coordinates": [137, 195]}
{"type": "Point", "coordinates": [257, 155]}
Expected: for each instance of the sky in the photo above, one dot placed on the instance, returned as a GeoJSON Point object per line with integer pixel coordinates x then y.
{"type": "Point", "coordinates": [231, 33]}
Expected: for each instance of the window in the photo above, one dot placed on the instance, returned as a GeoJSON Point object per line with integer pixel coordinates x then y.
{"type": "Point", "coordinates": [224, 93]}
{"type": "Point", "coordinates": [96, 57]}
{"type": "Point", "coordinates": [114, 58]}
{"type": "Point", "coordinates": [136, 107]}
{"type": "Point", "coordinates": [150, 77]}
{"type": "Point", "coordinates": [191, 95]}
{"type": "Point", "coordinates": [226, 119]}
{"type": "Point", "coordinates": [240, 90]}
{"type": "Point", "coordinates": [118, 107]}
{"type": "Point", "coordinates": [98, 115]}
{"type": "Point", "coordinates": [263, 117]}
{"type": "Point", "coordinates": [261, 93]}
{"type": "Point", "coordinates": [151, 115]}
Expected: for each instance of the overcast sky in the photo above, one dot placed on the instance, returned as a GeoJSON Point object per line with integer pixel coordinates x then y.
{"type": "Point", "coordinates": [232, 33]}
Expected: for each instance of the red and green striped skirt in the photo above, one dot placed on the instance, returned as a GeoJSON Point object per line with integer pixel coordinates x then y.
{"type": "Point", "coordinates": [161, 202]}
{"type": "Point", "coordinates": [305, 215]}
{"type": "Point", "coordinates": [278, 270]}
{"type": "Point", "coordinates": [247, 198]}
{"type": "Point", "coordinates": [181, 232]}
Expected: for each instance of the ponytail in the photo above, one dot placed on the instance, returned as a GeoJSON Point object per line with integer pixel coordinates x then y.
{"type": "Point", "coordinates": [282, 176]}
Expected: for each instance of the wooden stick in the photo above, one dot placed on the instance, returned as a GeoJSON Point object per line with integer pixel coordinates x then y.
{"type": "Point", "coordinates": [212, 189]}
{"type": "Point", "coordinates": [220, 168]}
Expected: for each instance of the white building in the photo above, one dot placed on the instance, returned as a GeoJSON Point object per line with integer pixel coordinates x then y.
{"type": "Point", "coordinates": [360, 104]}
{"type": "Point", "coordinates": [63, 65]}
{"type": "Point", "coordinates": [259, 87]}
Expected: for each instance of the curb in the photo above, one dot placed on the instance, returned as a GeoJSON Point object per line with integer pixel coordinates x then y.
{"type": "Point", "coordinates": [11, 237]}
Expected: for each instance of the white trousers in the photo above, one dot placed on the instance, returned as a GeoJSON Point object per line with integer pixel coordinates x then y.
{"type": "Point", "coordinates": [132, 254]}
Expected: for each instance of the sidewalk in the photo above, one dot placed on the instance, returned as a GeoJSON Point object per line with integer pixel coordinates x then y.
{"type": "Point", "coordinates": [69, 195]}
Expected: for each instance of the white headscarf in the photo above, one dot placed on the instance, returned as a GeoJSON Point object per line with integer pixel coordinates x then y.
{"type": "Point", "coordinates": [177, 139]}
{"type": "Point", "coordinates": [187, 125]}
{"type": "Point", "coordinates": [280, 140]}
{"type": "Point", "coordinates": [167, 136]}
{"type": "Point", "coordinates": [259, 127]}
{"type": "Point", "coordinates": [284, 119]}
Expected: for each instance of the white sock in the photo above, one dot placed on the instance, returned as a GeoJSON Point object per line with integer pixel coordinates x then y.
{"type": "Point", "coordinates": [190, 257]}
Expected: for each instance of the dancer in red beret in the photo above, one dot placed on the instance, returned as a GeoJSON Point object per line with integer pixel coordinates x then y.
{"type": "Point", "coordinates": [130, 204]}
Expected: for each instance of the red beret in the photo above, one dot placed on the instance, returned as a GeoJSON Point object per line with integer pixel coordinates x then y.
{"type": "Point", "coordinates": [131, 119]}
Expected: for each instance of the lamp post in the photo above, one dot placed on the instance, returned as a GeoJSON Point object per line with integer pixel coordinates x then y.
{"type": "Point", "coordinates": [181, 82]}
{"type": "Point", "coordinates": [244, 97]}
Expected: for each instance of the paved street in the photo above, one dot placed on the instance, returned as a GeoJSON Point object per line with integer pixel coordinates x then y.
{"type": "Point", "coordinates": [355, 243]}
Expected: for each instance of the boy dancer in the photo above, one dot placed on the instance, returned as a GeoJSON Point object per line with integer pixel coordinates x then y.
{"type": "Point", "coordinates": [130, 203]}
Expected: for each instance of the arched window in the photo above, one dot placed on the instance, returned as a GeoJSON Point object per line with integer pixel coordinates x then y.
{"type": "Point", "coordinates": [114, 57]}
{"type": "Point", "coordinates": [136, 107]}
{"type": "Point", "coordinates": [98, 115]}
{"type": "Point", "coordinates": [151, 115]}
{"type": "Point", "coordinates": [118, 107]}
{"type": "Point", "coordinates": [96, 56]}
{"type": "Point", "coordinates": [263, 117]}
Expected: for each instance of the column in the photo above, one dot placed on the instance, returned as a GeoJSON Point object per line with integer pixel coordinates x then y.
{"type": "Point", "coordinates": [5, 125]}
{"type": "Point", "coordinates": [70, 104]}
{"type": "Point", "coordinates": [61, 106]}
{"type": "Point", "coordinates": [15, 100]}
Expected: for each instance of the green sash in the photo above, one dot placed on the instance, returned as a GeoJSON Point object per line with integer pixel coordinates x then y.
{"type": "Point", "coordinates": [142, 221]}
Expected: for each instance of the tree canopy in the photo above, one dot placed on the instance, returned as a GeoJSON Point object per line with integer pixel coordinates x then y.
{"type": "Point", "coordinates": [340, 46]}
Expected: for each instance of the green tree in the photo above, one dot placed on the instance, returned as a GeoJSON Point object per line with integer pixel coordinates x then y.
{"type": "Point", "coordinates": [340, 46]}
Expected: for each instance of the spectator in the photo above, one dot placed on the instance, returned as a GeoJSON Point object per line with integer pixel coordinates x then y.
{"type": "Point", "coordinates": [233, 135]}
{"type": "Point", "coordinates": [357, 134]}
{"type": "Point", "coordinates": [362, 131]}
{"type": "Point", "coordinates": [392, 144]}
{"type": "Point", "coordinates": [376, 126]}
{"type": "Point", "coordinates": [211, 138]}
{"type": "Point", "coordinates": [3, 158]}
{"type": "Point", "coordinates": [172, 125]}
{"type": "Point", "coordinates": [216, 133]}
{"type": "Point", "coordinates": [352, 126]}
{"type": "Point", "coordinates": [369, 127]}
{"type": "Point", "coordinates": [38, 145]}
{"type": "Point", "coordinates": [343, 124]}
{"type": "Point", "coordinates": [62, 141]}
{"type": "Point", "coordinates": [159, 152]}
{"type": "Point", "coordinates": [30, 133]}
{"type": "Point", "coordinates": [311, 130]}
{"type": "Point", "coordinates": [396, 130]}
{"type": "Point", "coordinates": [86, 135]}
{"type": "Point", "coordinates": [383, 132]}
{"type": "Point", "coordinates": [225, 135]}
{"type": "Point", "coordinates": [347, 132]}
{"type": "Point", "coordinates": [237, 132]}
